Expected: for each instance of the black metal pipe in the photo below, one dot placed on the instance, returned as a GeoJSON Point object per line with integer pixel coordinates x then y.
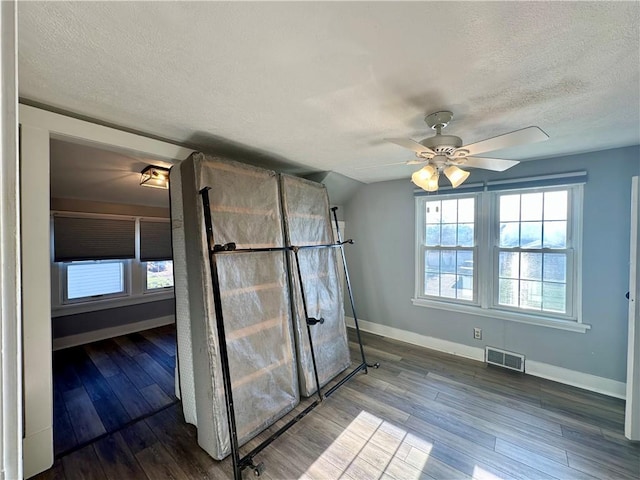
{"type": "Point", "coordinates": [247, 460]}
{"type": "Point", "coordinates": [348, 282]}
{"type": "Point", "coordinates": [362, 366]}
{"type": "Point", "coordinates": [325, 245]}
{"type": "Point", "coordinates": [249, 250]}
{"type": "Point", "coordinates": [306, 315]}
{"type": "Point", "coordinates": [222, 339]}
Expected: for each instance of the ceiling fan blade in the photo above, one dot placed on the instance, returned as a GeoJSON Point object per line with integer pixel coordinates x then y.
{"type": "Point", "coordinates": [495, 164]}
{"type": "Point", "coordinates": [411, 145]}
{"type": "Point", "coordinates": [518, 137]}
{"type": "Point", "coordinates": [408, 162]}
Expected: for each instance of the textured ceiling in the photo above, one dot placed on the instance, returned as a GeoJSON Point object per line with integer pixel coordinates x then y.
{"type": "Point", "coordinates": [319, 85]}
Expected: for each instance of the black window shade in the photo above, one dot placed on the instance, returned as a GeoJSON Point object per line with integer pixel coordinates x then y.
{"type": "Point", "coordinates": [83, 238]}
{"type": "Point", "coordinates": [155, 241]}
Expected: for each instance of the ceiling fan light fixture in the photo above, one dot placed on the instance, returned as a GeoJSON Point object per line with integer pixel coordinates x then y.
{"type": "Point", "coordinates": [422, 176]}
{"type": "Point", "coordinates": [456, 175]}
{"type": "Point", "coordinates": [155, 177]}
{"type": "Point", "coordinates": [432, 183]}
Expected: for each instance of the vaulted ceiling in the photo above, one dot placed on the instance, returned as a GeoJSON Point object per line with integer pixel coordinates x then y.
{"type": "Point", "coordinates": [320, 85]}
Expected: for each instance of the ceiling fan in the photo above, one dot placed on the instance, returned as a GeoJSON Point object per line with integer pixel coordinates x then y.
{"type": "Point", "coordinates": [445, 153]}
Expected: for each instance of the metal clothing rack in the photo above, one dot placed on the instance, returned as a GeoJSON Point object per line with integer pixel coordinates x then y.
{"type": "Point", "coordinates": [240, 463]}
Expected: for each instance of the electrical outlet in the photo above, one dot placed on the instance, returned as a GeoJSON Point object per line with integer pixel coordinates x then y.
{"type": "Point", "coordinates": [477, 333]}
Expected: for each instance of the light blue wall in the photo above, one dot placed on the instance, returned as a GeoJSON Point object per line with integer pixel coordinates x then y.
{"type": "Point", "coordinates": [380, 218]}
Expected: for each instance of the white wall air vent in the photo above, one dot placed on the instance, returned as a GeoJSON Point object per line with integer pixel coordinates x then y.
{"type": "Point", "coordinates": [502, 358]}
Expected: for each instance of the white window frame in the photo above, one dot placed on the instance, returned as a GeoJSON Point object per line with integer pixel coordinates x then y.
{"type": "Point", "coordinates": [145, 289]}
{"type": "Point", "coordinates": [126, 279]}
{"type": "Point", "coordinates": [421, 249]}
{"type": "Point", "coordinates": [486, 284]}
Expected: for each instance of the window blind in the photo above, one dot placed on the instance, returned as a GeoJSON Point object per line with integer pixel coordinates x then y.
{"type": "Point", "coordinates": [84, 238]}
{"type": "Point", "coordinates": [155, 241]}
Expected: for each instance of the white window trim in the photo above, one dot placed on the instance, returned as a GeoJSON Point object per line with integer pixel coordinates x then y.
{"type": "Point", "coordinates": [143, 279]}
{"type": "Point", "coordinates": [126, 280]}
{"type": "Point", "coordinates": [485, 305]}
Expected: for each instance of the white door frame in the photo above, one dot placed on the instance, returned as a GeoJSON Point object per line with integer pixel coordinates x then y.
{"type": "Point", "coordinates": [37, 128]}
{"type": "Point", "coordinates": [632, 408]}
{"type": "Point", "coordinates": [10, 297]}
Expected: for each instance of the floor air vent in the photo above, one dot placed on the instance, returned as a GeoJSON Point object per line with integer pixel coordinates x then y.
{"type": "Point", "coordinates": [502, 358]}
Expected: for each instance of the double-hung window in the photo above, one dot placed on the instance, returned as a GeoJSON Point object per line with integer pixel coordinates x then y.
{"type": "Point", "coordinates": [505, 252]}
{"type": "Point", "coordinates": [534, 253]}
{"type": "Point", "coordinates": [448, 247]}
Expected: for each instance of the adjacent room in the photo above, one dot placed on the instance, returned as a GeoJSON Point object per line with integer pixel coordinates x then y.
{"type": "Point", "coordinates": [387, 240]}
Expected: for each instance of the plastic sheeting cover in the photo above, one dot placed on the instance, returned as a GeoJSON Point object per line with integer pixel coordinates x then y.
{"type": "Point", "coordinates": [307, 221]}
{"type": "Point", "coordinates": [245, 209]}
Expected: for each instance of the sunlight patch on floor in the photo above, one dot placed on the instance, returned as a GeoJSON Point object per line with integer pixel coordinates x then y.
{"type": "Point", "coordinates": [369, 448]}
{"type": "Point", "coordinates": [480, 473]}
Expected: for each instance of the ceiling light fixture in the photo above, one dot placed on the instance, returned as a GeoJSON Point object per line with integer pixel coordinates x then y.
{"type": "Point", "coordinates": [455, 175]}
{"type": "Point", "coordinates": [155, 177]}
{"type": "Point", "coordinates": [432, 184]}
{"type": "Point", "coordinates": [427, 177]}
{"type": "Point", "coordinates": [422, 176]}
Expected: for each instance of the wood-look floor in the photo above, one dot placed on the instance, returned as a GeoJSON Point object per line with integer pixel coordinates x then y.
{"type": "Point", "coordinates": [421, 415]}
{"type": "Point", "coordinates": [100, 387]}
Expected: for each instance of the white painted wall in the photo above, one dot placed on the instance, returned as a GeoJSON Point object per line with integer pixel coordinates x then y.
{"type": "Point", "coordinates": [38, 126]}
{"type": "Point", "coordinates": [10, 344]}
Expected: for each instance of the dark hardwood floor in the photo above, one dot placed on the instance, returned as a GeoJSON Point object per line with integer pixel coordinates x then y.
{"type": "Point", "coordinates": [101, 387]}
{"type": "Point", "coordinates": [422, 415]}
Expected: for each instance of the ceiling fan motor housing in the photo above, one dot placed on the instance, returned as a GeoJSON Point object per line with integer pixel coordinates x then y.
{"type": "Point", "coordinates": [444, 144]}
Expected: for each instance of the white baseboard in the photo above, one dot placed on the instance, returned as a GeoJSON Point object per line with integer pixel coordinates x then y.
{"type": "Point", "coordinates": [586, 381]}
{"type": "Point", "coordinates": [474, 353]}
{"type": "Point", "coordinates": [103, 334]}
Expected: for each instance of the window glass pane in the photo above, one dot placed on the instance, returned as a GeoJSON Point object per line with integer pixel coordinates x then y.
{"type": "Point", "coordinates": [555, 234]}
{"type": "Point", "coordinates": [510, 208]}
{"type": "Point", "coordinates": [555, 205]}
{"type": "Point", "coordinates": [465, 235]}
{"type": "Point", "coordinates": [448, 235]}
{"type": "Point", "coordinates": [433, 212]}
{"type": "Point", "coordinates": [466, 210]}
{"type": "Point", "coordinates": [509, 265]}
{"type": "Point", "coordinates": [508, 292]}
{"type": "Point", "coordinates": [531, 266]}
{"type": "Point", "coordinates": [433, 234]}
{"type": "Point", "coordinates": [531, 207]}
{"type": "Point", "coordinates": [159, 274]}
{"type": "Point", "coordinates": [94, 278]}
{"type": "Point", "coordinates": [531, 234]}
{"type": "Point", "coordinates": [531, 295]}
{"type": "Point", "coordinates": [448, 262]}
{"type": "Point", "coordinates": [432, 258]}
{"type": "Point", "coordinates": [431, 283]}
{"type": "Point", "coordinates": [448, 285]}
{"type": "Point", "coordinates": [555, 267]}
{"type": "Point", "coordinates": [554, 297]}
{"type": "Point", "coordinates": [449, 211]}
{"type": "Point", "coordinates": [465, 287]}
{"type": "Point", "coordinates": [464, 283]}
{"type": "Point", "coordinates": [509, 234]}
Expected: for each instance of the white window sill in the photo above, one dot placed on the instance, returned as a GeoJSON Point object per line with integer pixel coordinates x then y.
{"type": "Point", "coordinates": [541, 321]}
{"type": "Point", "coordinates": [114, 302]}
